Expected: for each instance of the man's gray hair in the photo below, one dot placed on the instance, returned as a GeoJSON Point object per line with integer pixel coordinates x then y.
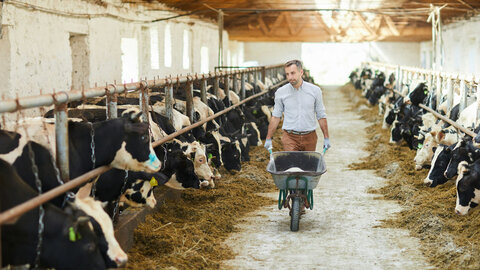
{"type": "Point", "coordinates": [297, 63]}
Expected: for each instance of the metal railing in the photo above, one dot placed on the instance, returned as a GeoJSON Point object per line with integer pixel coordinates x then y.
{"type": "Point", "coordinates": [440, 82]}
{"type": "Point", "coordinates": [60, 99]}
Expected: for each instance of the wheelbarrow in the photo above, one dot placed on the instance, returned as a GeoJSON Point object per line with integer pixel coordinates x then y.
{"type": "Point", "coordinates": [296, 174]}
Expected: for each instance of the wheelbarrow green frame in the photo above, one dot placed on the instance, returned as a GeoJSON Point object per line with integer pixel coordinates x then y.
{"type": "Point", "coordinates": [282, 196]}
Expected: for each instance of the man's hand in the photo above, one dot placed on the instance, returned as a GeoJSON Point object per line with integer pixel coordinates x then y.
{"type": "Point", "coordinates": [326, 143]}
{"type": "Point", "coordinates": [268, 144]}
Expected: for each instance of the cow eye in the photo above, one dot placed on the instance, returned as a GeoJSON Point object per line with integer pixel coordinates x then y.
{"type": "Point", "coordinates": [144, 138]}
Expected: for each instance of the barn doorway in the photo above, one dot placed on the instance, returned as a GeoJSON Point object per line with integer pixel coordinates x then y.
{"type": "Point", "coordinates": [129, 48]}
{"type": "Point", "coordinates": [80, 61]}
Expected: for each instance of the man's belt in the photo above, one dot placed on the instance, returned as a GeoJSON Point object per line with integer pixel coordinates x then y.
{"type": "Point", "coordinates": [298, 132]}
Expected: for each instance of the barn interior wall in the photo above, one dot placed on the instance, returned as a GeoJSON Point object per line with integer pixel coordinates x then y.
{"type": "Point", "coordinates": [462, 47]}
{"type": "Point", "coordinates": [36, 50]}
{"type": "Point", "coordinates": [271, 53]}
{"type": "Point", "coordinates": [330, 63]}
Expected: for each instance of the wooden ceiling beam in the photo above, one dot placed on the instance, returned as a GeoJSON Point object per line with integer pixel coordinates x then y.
{"type": "Point", "coordinates": [391, 25]}
{"type": "Point", "coordinates": [315, 35]}
{"type": "Point", "coordinates": [263, 26]}
{"type": "Point", "coordinates": [365, 24]}
{"type": "Point", "coordinates": [465, 4]}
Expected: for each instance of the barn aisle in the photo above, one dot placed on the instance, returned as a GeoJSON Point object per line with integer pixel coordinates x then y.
{"type": "Point", "coordinates": [339, 233]}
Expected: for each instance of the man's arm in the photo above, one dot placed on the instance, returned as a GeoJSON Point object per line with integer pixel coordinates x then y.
{"type": "Point", "coordinates": [272, 126]}
{"type": "Point", "coordinates": [323, 126]}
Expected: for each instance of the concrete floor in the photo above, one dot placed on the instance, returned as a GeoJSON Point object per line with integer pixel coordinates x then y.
{"type": "Point", "coordinates": [340, 232]}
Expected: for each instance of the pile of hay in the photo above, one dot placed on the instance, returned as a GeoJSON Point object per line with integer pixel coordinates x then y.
{"type": "Point", "coordinates": [189, 233]}
{"type": "Point", "coordinates": [448, 241]}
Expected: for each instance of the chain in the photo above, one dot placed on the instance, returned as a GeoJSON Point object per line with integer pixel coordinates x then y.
{"type": "Point", "coordinates": [92, 147]}
{"type": "Point", "coordinates": [41, 225]}
{"type": "Point", "coordinates": [115, 209]}
{"type": "Point", "coordinates": [164, 157]}
{"type": "Point", "coordinates": [38, 184]}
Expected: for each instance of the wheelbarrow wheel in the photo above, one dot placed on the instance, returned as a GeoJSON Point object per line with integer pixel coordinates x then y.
{"type": "Point", "coordinates": [295, 215]}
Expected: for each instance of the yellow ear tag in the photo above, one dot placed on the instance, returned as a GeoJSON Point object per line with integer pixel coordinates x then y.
{"type": "Point", "coordinates": [153, 182]}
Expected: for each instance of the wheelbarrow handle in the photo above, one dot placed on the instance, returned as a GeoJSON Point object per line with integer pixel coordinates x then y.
{"type": "Point", "coordinates": [324, 151]}
{"type": "Point", "coordinates": [270, 150]}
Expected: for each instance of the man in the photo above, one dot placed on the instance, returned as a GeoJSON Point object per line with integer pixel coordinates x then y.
{"type": "Point", "coordinates": [302, 105]}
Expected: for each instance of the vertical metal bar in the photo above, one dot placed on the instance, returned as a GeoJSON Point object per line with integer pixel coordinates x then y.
{"type": "Point", "coordinates": [249, 80]}
{"type": "Point", "coordinates": [189, 101]}
{"type": "Point", "coordinates": [242, 86]}
{"type": "Point", "coordinates": [220, 38]}
{"type": "Point", "coordinates": [474, 84]}
{"type": "Point", "coordinates": [263, 74]}
{"type": "Point", "coordinates": [464, 94]}
{"type": "Point", "coordinates": [61, 138]}
{"type": "Point", "coordinates": [216, 81]}
{"type": "Point", "coordinates": [255, 76]}
{"type": "Point", "coordinates": [143, 102]}
{"type": "Point", "coordinates": [111, 102]}
{"type": "Point", "coordinates": [203, 90]}
{"type": "Point", "coordinates": [439, 90]}
{"type": "Point", "coordinates": [450, 94]}
{"type": "Point", "coordinates": [397, 78]}
{"type": "Point", "coordinates": [235, 83]}
{"type": "Point", "coordinates": [169, 100]}
{"type": "Point", "coordinates": [227, 88]}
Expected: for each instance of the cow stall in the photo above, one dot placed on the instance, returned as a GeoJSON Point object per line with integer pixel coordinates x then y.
{"type": "Point", "coordinates": [62, 125]}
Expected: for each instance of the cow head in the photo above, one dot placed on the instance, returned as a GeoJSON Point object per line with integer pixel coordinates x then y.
{"type": "Point", "coordinates": [71, 241]}
{"type": "Point", "coordinates": [94, 209]}
{"type": "Point", "coordinates": [231, 155]}
{"type": "Point", "coordinates": [425, 153]}
{"type": "Point", "coordinates": [459, 154]}
{"type": "Point", "coordinates": [468, 187]}
{"type": "Point", "coordinates": [440, 161]}
{"type": "Point", "coordinates": [396, 132]}
{"type": "Point", "coordinates": [136, 151]}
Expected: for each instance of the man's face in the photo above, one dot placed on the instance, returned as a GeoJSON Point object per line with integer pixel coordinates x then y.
{"type": "Point", "coordinates": [294, 76]}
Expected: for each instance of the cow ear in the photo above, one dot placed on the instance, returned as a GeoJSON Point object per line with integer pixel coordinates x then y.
{"type": "Point", "coordinates": [86, 190]}
{"type": "Point", "coordinates": [440, 136]}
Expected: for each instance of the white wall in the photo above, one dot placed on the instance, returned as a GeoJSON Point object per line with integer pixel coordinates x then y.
{"type": "Point", "coordinates": [462, 47]}
{"type": "Point", "coordinates": [272, 53]}
{"type": "Point", "coordinates": [35, 51]}
{"type": "Point", "coordinates": [331, 63]}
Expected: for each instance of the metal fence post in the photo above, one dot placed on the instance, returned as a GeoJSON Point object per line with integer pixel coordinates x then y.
{"type": "Point", "coordinates": [450, 94]}
{"type": "Point", "coordinates": [263, 74]}
{"type": "Point", "coordinates": [61, 139]}
{"type": "Point", "coordinates": [169, 99]}
{"type": "Point", "coordinates": [111, 102]}
{"type": "Point", "coordinates": [216, 80]}
{"type": "Point", "coordinates": [203, 90]}
{"type": "Point", "coordinates": [439, 90]}
{"type": "Point", "coordinates": [464, 94]}
{"type": "Point", "coordinates": [227, 86]}
{"type": "Point", "coordinates": [189, 99]}
{"type": "Point", "coordinates": [474, 84]}
{"type": "Point", "coordinates": [397, 78]}
{"type": "Point", "coordinates": [235, 83]}
{"type": "Point", "coordinates": [143, 101]}
{"type": "Point", "coordinates": [242, 86]}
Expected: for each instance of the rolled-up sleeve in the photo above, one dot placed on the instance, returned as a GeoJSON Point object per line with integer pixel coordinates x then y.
{"type": "Point", "coordinates": [278, 107]}
{"type": "Point", "coordinates": [319, 107]}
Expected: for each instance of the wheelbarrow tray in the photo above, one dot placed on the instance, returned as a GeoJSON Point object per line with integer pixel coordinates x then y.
{"type": "Point", "coordinates": [311, 163]}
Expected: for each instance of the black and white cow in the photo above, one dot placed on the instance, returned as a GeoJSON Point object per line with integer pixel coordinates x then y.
{"type": "Point", "coordinates": [464, 151]}
{"type": "Point", "coordinates": [468, 187]}
{"type": "Point", "coordinates": [137, 187]}
{"type": "Point", "coordinates": [69, 241]}
{"type": "Point", "coordinates": [441, 158]}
